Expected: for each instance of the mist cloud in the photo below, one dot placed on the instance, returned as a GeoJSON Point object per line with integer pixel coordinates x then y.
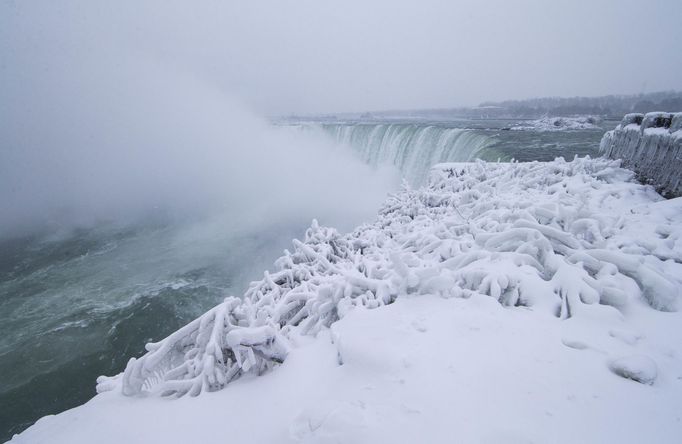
{"type": "Point", "coordinates": [120, 141]}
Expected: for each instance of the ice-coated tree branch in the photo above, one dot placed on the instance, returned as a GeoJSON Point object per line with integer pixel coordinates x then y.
{"type": "Point", "coordinates": [552, 236]}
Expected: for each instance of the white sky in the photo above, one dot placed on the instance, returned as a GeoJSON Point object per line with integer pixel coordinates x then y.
{"type": "Point", "coordinates": [329, 56]}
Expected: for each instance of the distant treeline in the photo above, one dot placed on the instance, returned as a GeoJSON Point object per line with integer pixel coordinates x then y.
{"type": "Point", "coordinates": [606, 106]}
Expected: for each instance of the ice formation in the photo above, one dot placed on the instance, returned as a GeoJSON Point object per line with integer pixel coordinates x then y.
{"type": "Point", "coordinates": [651, 145]}
{"type": "Point", "coordinates": [569, 239]}
{"type": "Point", "coordinates": [559, 124]}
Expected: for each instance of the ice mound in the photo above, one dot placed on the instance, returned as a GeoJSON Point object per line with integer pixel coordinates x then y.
{"type": "Point", "coordinates": [638, 368]}
{"type": "Point", "coordinates": [573, 240]}
{"type": "Point", "coordinates": [651, 145]}
{"type": "Point", "coordinates": [559, 124]}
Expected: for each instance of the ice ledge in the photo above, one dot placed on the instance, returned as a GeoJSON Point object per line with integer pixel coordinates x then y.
{"type": "Point", "coordinates": [651, 145]}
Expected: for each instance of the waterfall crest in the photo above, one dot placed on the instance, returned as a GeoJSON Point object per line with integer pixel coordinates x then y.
{"type": "Point", "coordinates": [411, 147]}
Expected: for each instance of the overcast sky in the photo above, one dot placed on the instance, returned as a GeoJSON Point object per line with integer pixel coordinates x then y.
{"type": "Point", "coordinates": [331, 56]}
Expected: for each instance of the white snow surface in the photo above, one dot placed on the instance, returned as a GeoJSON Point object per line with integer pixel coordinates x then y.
{"type": "Point", "coordinates": [521, 302]}
{"type": "Point", "coordinates": [559, 124]}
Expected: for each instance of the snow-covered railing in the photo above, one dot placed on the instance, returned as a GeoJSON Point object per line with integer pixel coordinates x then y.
{"type": "Point", "coordinates": [651, 145]}
{"type": "Point", "coordinates": [553, 237]}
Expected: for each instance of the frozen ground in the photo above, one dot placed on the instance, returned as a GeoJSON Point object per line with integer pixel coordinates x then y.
{"type": "Point", "coordinates": [503, 303]}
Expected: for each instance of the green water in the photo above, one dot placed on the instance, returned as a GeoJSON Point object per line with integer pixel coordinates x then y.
{"type": "Point", "coordinates": [81, 305]}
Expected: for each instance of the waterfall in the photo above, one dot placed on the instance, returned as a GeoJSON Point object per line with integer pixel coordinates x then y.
{"type": "Point", "coordinates": [413, 148]}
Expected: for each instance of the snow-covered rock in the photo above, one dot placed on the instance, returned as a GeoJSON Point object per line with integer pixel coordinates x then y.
{"type": "Point", "coordinates": [559, 124]}
{"type": "Point", "coordinates": [651, 145]}
{"type": "Point", "coordinates": [638, 368]}
{"type": "Point", "coordinates": [489, 306]}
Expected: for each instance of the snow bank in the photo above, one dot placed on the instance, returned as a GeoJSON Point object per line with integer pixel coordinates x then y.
{"type": "Point", "coordinates": [651, 145]}
{"type": "Point", "coordinates": [514, 298]}
{"type": "Point", "coordinates": [559, 124]}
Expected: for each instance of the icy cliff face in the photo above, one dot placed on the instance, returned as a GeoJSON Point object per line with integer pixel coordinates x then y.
{"type": "Point", "coordinates": [565, 239]}
{"type": "Point", "coordinates": [651, 145]}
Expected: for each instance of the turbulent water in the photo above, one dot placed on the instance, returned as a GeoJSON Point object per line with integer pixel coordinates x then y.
{"type": "Point", "coordinates": [80, 304]}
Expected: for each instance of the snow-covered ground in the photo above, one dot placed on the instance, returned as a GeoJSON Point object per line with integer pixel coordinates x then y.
{"type": "Point", "coordinates": [523, 302]}
{"type": "Point", "coordinates": [559, 124]}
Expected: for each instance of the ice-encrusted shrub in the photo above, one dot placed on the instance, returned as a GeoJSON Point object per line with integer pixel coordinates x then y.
{"type": "Point", "coordinates": [558, 236]}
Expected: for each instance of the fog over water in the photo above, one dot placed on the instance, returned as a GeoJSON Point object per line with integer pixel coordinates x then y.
{"type": "Point", "coordinates": [154, 139]}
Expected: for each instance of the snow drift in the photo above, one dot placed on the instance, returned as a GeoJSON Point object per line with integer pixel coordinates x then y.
{"type": "Point", "coordinates": [556, 237]}
{"type": "Point", "coordinates": [651, 145]}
